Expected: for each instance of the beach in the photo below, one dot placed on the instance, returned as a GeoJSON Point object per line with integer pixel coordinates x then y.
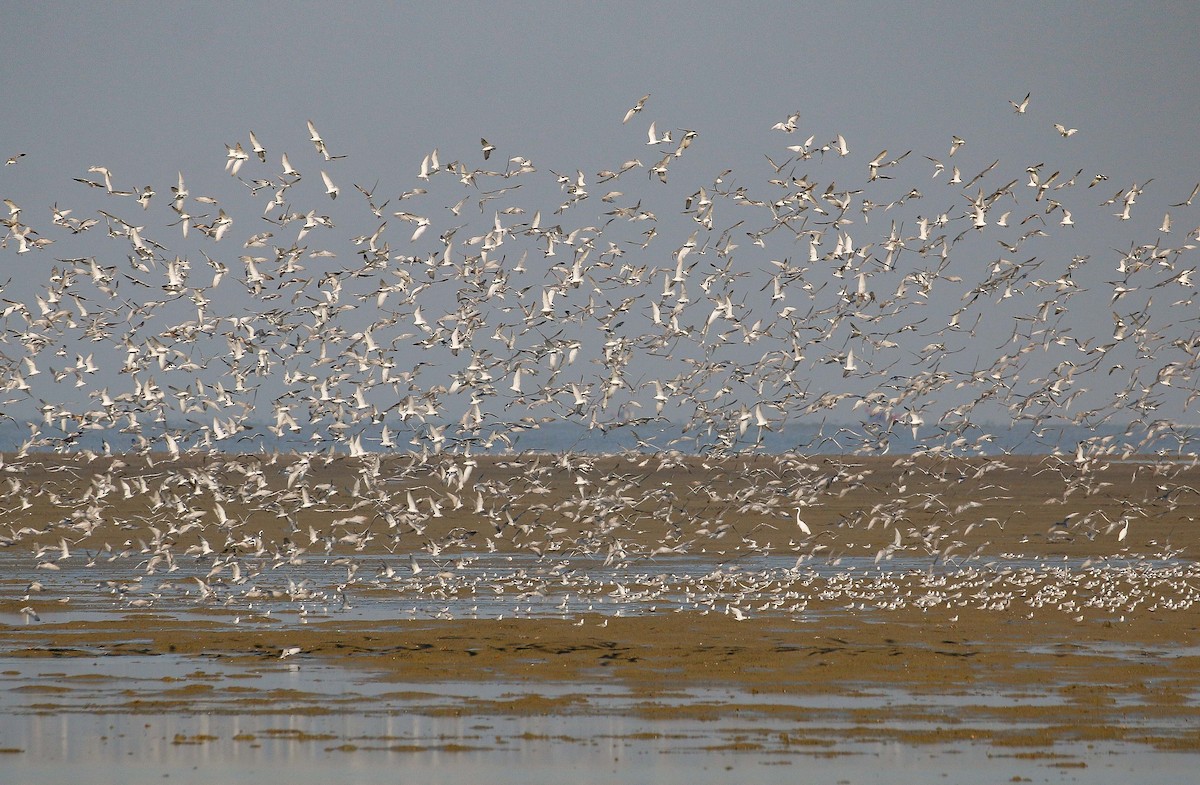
{"type": "Point", "coordinates": [1020, 636]}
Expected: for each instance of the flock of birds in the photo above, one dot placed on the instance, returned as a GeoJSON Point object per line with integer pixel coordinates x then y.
{"type": "Point", "coordinates": [922, 299]}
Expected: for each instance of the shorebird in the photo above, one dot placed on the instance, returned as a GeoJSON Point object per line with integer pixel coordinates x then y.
{"type": "Point", "coordinates": [609, 314]}
{"type": "Point", "coordinates": [330, 188]}
{"type": "Point", "coordinates": [654, 139]}
{"type": "Point", "coordinates": [636, 108]}
{"type": "Point", "coordinates": [319, 143]}
{"type": "Point", "coordinates": [257, 148]}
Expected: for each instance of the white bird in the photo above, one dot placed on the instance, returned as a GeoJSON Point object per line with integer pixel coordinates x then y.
{"type": "Point", "coordinates": [330, 188]}
{"type": "Point", "coordinates": [636, 108]}
{"type": "Point", "coordinates": [850, 366]}
{"type": "Point", "coordinates": [787, 126]}
{"type": "Point", "coordinates": [1064, 131]}
{"type": "Point", "coordinates": [319, 143]}
{"type": "Point", "coordinates": [842, 148]}
{"type": "Point", "coordinates": [235, 157]}
{"type": "Point", "coordinates": [288, 169]}
{"type": "Point", "coordinates": [258, 149]}
{"type": "Point", "coordinates": [874, 164]}
{"type": "Point", "coordinates": [654, 139]}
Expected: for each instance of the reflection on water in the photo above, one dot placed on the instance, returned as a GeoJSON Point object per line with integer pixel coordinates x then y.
{"type": "Point", "coordinates": [96, 718]}
{"type": "Point", "coordinates": [123, 749]}
{"type": "Point", "coordinates": [137, 718]}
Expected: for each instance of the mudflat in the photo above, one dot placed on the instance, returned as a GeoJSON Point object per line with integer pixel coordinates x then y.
{"type": "Point", "coordinates": [1029, 600]}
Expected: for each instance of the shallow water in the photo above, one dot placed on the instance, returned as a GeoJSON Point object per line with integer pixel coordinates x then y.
{"type": "Point", "coordinates": [96, 718]}
{"type": "Point", "coordinates": [488, 585]}
{"type": "Point", "coordinates": [130, 717]}
{"type": "Point", "coordinates": [123, 749]}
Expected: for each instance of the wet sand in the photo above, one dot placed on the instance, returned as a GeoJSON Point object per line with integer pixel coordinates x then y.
{"type": "Point", "coordinates": [1018, 678]}
{"type": "Point", "coordinates": [1033, 505]}
{"type": "Point", "coordinates": [1136, 681]}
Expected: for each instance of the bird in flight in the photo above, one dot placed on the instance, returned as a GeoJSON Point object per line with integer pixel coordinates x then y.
{"type": "Point", "coordinates": [636, 107]}
{"type": "Point", "coordinates": [330, 188]}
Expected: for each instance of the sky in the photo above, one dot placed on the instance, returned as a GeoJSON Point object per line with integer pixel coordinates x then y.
{"type": "Point", "coordinates": [154, 90]}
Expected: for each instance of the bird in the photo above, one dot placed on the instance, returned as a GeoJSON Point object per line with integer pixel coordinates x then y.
{"type": "Point", "coordinates": [654, 139]}
{"type": "Point", "coordinates": [641, 103]}
{"type": "Point", "coordinates": [1188, 202]}
{"type": "Point", "coordinates": [1064, 131]}
{"type": "Point", "coordinates": [377, 389]}
{"type": "Point", "coordinates": [330, 188]}
{"type": "Point", "coordinates": [317, 141]}
{"type": "Point", "coordinates": [875, 164]}
{"type": "Point", "coordinates": [1019, 108]}
{"type": "Point", "coordinates": [288, 169]}
{"type": "Point", "coordinates": [788, 125]}
{"type": "Point", "coordinates": [257, 148]}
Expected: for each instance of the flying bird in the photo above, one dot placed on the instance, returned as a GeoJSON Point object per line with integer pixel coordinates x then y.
{"type": "Point", "coordinates": [636, 108]}
{"type": "Point", "coordinates": [257, 148]}
{"type": "Point", "coordinates": [330, 188]}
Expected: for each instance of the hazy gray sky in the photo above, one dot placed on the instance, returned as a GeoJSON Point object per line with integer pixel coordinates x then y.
{"type": "Point", "coordinates": [163, 85]}
{"type": "Point", "coordinates": [151, 89]}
